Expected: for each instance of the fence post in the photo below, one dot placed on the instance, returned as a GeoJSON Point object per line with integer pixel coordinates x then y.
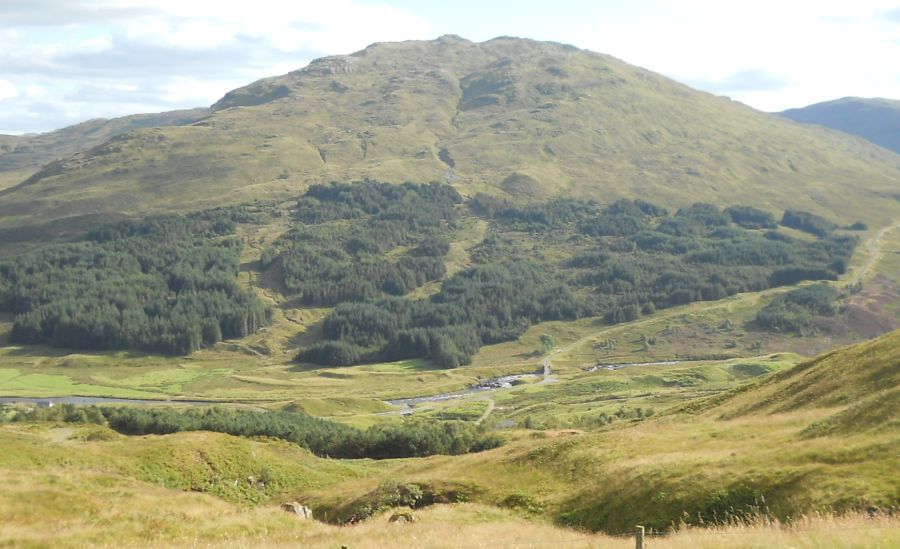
{"type": "Point", "coordinates": [638, 537]}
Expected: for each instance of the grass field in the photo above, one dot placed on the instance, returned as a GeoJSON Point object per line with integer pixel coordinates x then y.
{"type": "Point", "coordinates": [791, 443]}
{"type": "Point", "coordinates": [193, 520]}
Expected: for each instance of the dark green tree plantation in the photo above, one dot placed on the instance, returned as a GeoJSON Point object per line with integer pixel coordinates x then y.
{"type": "Point", "coordinates": [320, 436]}
{"type": "Point", "coordinates": [557, 260]}
{"type": "Point", "coordinates": [807, 222]}
{"type": "Point", "coordinates": [169, 283]}
{"type": "Point", "coordinates": [164, 284]}
{"type": "Point", "coordinates": [338, 249]}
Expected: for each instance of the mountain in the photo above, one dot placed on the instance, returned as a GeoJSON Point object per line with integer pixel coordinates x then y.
{"type": "Point", "coordinates": [877, 120]}
{"type": "Point", "coordinates": [509, 116]}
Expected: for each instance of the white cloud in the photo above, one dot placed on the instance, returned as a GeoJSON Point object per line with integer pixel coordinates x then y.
{"type": "Point", "coordinates": [7, 90]}
{"type": "Point", "coordinates": [817, 50]}
{"type": "Point", "coordinates": [88, 58]}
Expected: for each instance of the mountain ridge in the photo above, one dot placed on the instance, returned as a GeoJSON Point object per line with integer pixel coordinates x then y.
{"type": "Point", "coordinates": [509, 116]}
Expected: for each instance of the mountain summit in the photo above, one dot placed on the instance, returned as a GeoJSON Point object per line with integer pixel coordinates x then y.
{"type": "Point", "coordinates": [508, 116]}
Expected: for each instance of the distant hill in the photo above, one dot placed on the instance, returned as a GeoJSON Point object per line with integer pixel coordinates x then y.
{"type": "Point", "coordinates": [32, 151]}
{"type": "Point", "coordinates": [877, 120]}
{"type": "Point", "coordinates": [509, 116]}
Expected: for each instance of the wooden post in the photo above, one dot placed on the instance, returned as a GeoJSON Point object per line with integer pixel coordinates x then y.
{"type": "Point", "coordinates": [638, 537]}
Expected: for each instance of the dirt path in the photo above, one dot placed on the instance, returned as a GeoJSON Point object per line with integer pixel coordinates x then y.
{"type": "Point", "coordinates": [874, 249]}
{"type": "Point", "coordinates": [487, 413]}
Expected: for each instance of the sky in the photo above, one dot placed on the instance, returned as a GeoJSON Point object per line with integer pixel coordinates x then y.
{"type": "Point", "coordinates": [66, 61]}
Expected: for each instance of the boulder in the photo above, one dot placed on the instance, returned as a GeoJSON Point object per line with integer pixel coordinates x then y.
{"type": "Point", "coordinates": [402, 517]}
{"type": "Point", "coordinates": [298, 509]}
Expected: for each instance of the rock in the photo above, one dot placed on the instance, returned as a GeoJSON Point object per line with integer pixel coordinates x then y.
{"type": "Point", "coordinates": [297, 508]}
{"type": "Point", "coordinates": [402, 517]}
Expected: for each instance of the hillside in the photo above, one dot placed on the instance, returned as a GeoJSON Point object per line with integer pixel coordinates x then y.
{"type": "Point", "coordinates": [856, 375]}
{"type": "Point", "coordinates": [534, 293]}
{"type": "Point", "coordinates": [877, 120]}
{"type": "Point", "coordinates": [509, 116]}
{"type": "Point", "coordinates": [22, 155]}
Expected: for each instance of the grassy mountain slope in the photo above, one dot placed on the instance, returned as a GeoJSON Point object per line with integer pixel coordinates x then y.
{"type": "Point", "coordinates": [877, 120]}
{"type": "Point", "coordinates": [22, 155]}
{"type": "Point", "coordinates": [837, 379]}
{"type": "Point", "coordinates": [525, 118]}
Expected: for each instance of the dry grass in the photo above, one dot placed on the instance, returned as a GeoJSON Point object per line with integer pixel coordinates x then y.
{"type": "Point", "coordinates": [139, 491]}
{"type": "Point", "coordinates": [817, 532]}
{"type": "Point", "coordinates": [193, 521]}
{"type": "Point", "coordinates": [470, 526]}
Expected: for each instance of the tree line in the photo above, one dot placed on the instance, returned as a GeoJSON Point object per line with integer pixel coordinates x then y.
{"type": "Point", "coordinates": [477, 306]}
{"type": "Point", "coordinates": [169, 283]}
{"type": "Point", "coordinates": [320, 436]}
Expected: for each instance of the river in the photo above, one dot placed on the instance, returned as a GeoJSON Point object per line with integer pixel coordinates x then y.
{"type": "Point", "coordinates": [92, 401]}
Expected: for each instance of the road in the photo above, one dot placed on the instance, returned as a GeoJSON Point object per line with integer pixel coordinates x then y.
{"type": "Point", "coordinates": [98, 401]}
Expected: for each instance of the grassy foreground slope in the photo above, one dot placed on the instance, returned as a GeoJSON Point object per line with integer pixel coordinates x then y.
{"type": "Point", "coordinates": [850, 380]}
{"type": "Point", "coordinates": [146, 515]}
{"type": "Point", "coordinates": [526, 118]}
